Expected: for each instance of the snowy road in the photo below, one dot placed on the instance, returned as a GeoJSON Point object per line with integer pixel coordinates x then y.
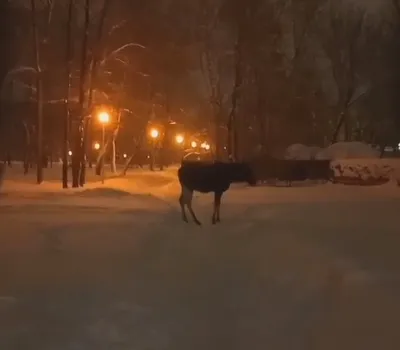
{"type": "Point", "coordinates": [115, 268]}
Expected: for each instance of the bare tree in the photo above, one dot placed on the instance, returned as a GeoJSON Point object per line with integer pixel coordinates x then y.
{"type": "Point", "coordinates": [379, 122]}
{"type": "Point", "coordinates": [212, 56]}
{"type": "Point", "coordinates": [239, 16]}
{"type": "Point", "coordinates": [302, 14]}
{"type": "Point", "coordinates": [302, 83]}
{"type": "Point", "coordinates": [5, 65]}
{"type": "Point", "coordinates": [39, 94]}
{"type": "Point", "coordinates": [261, 66]}
{"type": "Point", "coordinates": [341, 43]}
{"type": "Point", "coordinates": [120, 110]}
{"type": "Point", "coordinates": [78, 155]}
{"type": "Point", "coordinates": [68, 63]}
{"type": "Point", "coordinates": [92, 76]}
{"type": "Point", "coordinates": [6, 47]}
{"type": "Point", "coordinates": [396, 5]}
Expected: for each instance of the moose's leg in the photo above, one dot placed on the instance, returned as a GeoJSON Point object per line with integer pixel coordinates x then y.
{"type": "Point", "coordinates": [182, 204]}
{"type": "Point", "coordinates": [187, 197]}
{"type": "Point", "coordinates": [217, 205]}
{"type": "Point", "coordinates": [214, 216]}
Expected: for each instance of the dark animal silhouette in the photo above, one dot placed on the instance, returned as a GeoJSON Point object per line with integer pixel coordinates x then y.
{"type": "Point", "coordinates": [318, 169]}
{"type": "Point", "coordinates": [289, 170]}
{"type": "Point", "coordinates": [208, 177]}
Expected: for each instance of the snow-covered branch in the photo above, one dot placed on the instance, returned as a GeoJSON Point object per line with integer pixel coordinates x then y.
{"type": "Point", "coordinates": [123, 47]}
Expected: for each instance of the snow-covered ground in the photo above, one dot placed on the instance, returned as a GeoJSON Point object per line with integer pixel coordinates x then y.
{"type": "Point", "coordinates": [113, 267]}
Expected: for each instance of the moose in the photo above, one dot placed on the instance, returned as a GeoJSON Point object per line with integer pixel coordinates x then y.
{"type": "Point", "coordinates": [206, 177]}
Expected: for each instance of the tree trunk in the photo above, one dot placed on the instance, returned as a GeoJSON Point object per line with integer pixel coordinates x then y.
{"type": "Point", "coordinates": [236, 94]}
{"type": "Point", "coordinates": [39, 96]}
{"type": "Point", "coordinates": [6, 59]}
{"type": "Point", "coordinates": [135, 151]}
{"type": "Point", "coordinates": [217, 137]}
{"type": "Point", "coordinates": [68, 61]}
{"type": "Point", "coordinates": [382, 150]}
{"type": "Point", "coordinates": [215, 95]}
{"type": "Point", "coordinates": [128, 163]}
{"type": "Point", "coordinates": [27, 151]}
{"type": "Point", "coordinates": [76, 155]}
{"type": "Point", "coordinates": [113, 156]}
{"type": "Point", "coordinates": [350, 100]}
{"type": "Point", "coordinates": [79, 174]}
{"type": "Point", "coordinates": [113, 144]}
{"type": "Point", "coordinates": [347, 130]}
{"type": "Point", "coordinates": [152, 155]}
{"type": "Point", "coordinates": [118, 124]}
{"type": "Point", "coordinates": [342, 118]}
{"type": "Point", "coordinates": [92, 84]}
{"type": "Point", "coordinates": [263, 122]}
{"type": "Point", "coordinates": [101, 157]}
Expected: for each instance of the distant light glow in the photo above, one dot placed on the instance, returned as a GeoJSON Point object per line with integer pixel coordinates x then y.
{"type": "Point", "coordinates": [154, 133]}
{"type": "Point", "coordinates": [96, 146]}
{"type": "Point", "coordinates": [205, 145]}
{"type": "Point", "coordinates": [70, 153]}
{"type": "Point", "coordinates": [125, 155]}
{"type": "Point", "coordinates": [179, 139]}
{"type": "Point", "coordinates": [104, 117]}
{"type": "Point", "coordinates": [194, 144]}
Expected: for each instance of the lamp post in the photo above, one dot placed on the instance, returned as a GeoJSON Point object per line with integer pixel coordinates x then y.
{"type": "Point", "coordinates": [206, 146]}
{"type": "Point", "coordinates": [104, 118]}
{"type": "Point", "coordinates": [154, 134]}
{"type": "Point", "coordinates": [180, 140]}
{"type": "Point", "coordinates": [95, 154]}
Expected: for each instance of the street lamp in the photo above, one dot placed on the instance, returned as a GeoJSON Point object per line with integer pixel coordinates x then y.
{"type": "Point", "coordinates": [96, 146]}
{"type": "Point", "coordinates": [194, 144]}
{"type": "Point", "coordinates": [154, 134]}
{"type": "Point", "coordinates": [205, 146]}
{"type": "Point", "coordinates": [179, 139]}
{"type": "Point", "coordinates": [104, 118]}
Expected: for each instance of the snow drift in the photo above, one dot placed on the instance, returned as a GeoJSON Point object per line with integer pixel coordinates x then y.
{"type": "Point", "coordinates": [348, 150]}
